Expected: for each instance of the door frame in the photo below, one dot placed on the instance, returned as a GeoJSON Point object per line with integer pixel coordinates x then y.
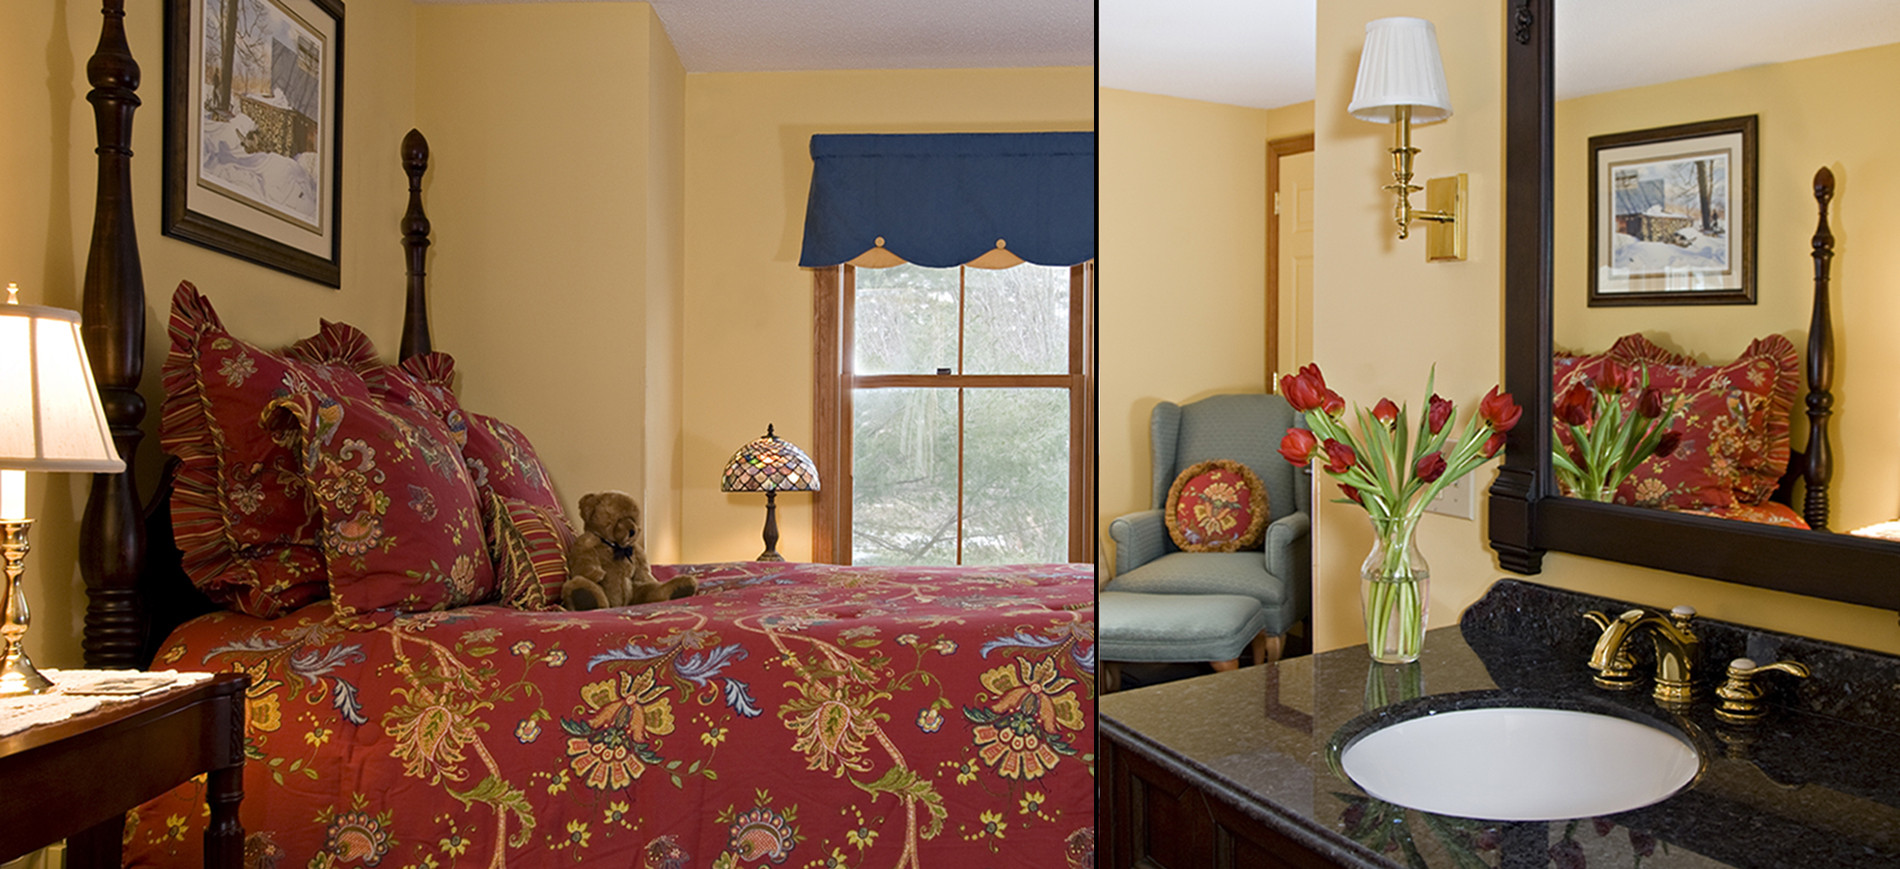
{"type": "Point", "coordinates": [1276, 149]}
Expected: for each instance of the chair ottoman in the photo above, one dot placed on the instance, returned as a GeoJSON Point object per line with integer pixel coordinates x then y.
{"type": "Point", "coordinates": [1134, 626]}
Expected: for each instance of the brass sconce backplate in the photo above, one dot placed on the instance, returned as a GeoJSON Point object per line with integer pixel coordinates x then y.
{"type": "Point", "coordinates": [1445, 239]}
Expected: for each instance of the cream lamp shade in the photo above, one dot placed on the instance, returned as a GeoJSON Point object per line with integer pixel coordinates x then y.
{"type": "Point", "coordinates": [50, 415]}
{"type": "Point", "coordinates": [1400, 67]}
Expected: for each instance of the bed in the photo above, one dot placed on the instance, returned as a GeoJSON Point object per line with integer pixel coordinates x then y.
{"type": "Point", "coordinates": [441, 711]}
{"type": "Point", "coordinates": [1736, 460]}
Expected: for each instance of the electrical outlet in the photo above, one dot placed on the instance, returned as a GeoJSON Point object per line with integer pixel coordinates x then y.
{"type": "Point", "coordinates": [1455, 500]}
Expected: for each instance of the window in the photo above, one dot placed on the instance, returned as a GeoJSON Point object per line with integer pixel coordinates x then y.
{"type": "Point", "coordinates": [960, 399]}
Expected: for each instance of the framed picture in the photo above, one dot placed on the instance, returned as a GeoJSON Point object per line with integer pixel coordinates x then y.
{"type": "Point", "coordinates": [1672, 215]}
{"type": "Point", "coordinates": [254, 133]}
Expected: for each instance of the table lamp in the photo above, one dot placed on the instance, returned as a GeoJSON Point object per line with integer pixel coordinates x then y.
{"type": "Point", "coordinates": [50, 420]}
{"type": "Point", "coordinates": [770, 465]}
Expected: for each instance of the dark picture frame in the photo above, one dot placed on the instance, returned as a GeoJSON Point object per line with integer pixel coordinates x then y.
{"type": "Point", "coordinates": [1673, 215]}
{"type": "Point", "coordinates": [254, 131]}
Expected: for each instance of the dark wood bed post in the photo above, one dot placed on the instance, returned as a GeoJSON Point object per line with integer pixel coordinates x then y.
{"type": "Point", "coordinates": [415, 247]}
{"type": "Point", "coordinates": [112, 532]}
{"type": "Point", "coordinates": [1820, 469]}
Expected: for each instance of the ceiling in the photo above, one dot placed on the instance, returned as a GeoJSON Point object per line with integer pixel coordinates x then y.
{"type": "Point", "coordinates": [1260, 53]}
{"type": "Point", "coordinates": [774, 35]}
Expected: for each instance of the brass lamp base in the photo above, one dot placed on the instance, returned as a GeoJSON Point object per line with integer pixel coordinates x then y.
{"type": "Point", "coordinates": [17, 674]}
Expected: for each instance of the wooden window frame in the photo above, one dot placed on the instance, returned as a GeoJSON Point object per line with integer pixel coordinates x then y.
{"type": "Point", "coordinates": [834, 294]}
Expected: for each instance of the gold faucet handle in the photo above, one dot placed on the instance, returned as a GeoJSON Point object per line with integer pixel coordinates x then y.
{"type": "Point", "coordinates": [1739, 695]}
{"type": "Point", "coordinates": [1620, 673]}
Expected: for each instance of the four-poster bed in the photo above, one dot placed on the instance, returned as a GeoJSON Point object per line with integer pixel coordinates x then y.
{"type": "Point", "coordinates": [808, 713]}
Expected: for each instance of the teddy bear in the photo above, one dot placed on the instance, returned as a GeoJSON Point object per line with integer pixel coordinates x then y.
{"type": "Point", "coordinates": [607, 566]}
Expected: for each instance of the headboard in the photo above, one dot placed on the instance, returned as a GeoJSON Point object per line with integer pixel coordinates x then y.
{"type": "Point", "coordinates": [131, 567]}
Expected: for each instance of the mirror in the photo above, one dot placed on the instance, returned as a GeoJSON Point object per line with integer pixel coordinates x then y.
{"type": "Point", "coordinates": [1527, 517]}
{"type": "Point", "coordinates": [1647, 102]}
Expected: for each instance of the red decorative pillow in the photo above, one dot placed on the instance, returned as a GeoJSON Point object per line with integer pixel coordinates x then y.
{"type": "Point", "coordinates": [498, 456]}
{"type": "Point", "coordinates": [529, 546]}
{"type": "Point", "coordinates": [1217, 506]}
{"type": "Point", "coordinates": [401, 524]}
{"type": "Point", "coordinates": [1734, 420]}
{"type": "Point", "coordinates": [240, 511]}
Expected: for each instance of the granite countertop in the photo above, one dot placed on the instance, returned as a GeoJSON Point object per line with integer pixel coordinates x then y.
{"type": "Point", "coordinates": [1815, 783]}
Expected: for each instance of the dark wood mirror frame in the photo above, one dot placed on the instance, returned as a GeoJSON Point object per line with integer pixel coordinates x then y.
{"type": "Point", "coordinates": [1527, 517]}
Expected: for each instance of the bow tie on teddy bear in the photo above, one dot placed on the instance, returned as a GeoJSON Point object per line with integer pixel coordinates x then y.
{"type": "Point", "coordinates": [602, 573]}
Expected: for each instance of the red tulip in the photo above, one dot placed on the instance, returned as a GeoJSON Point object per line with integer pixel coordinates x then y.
{"type": "Point", "coordinates": [1649, 405]}
{"type": "Point", "coordinates": [1385, 411]}
{"type": "Point", "coordinates": [1429, 467]}
{"type": "Point", "coordinates": [1352, 494]}
{"type": "Point", "coordinates": [1339, 457]}
{"type": "Point", "coordinates": [1439, 413]}
{"type": "Point", "coordinates": [1302, 390]}
{"type": "Point", "coordinates": [1499, 410]}
{"type": "Point", "coordinates": [1298, 445]}
{"type": "Point", "coordinates": [1617, 378]}
{"type": "Point", "coordinates": [1332, 402]}
{"type": "Point", "coordinates": [1493, 444]}
{"type": "Point", "coordinates": [1574, 406]}
{"type": "Point", "coordinates": [1666, 445]}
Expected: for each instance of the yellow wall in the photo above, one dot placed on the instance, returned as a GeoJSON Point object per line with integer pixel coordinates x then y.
{"type": "Point", "coordinates": [47, 177]}
{"type": "Point", "coordinates": [747, 348]}
{"type": "Point", "coordinates": [1182, 217]}
{"type": "Point", "coordinates": [1382, 315]}
{"type": "Point", "coordinates": [556, 218]}
{"type": "Point", "coordinates": [1806, 121]}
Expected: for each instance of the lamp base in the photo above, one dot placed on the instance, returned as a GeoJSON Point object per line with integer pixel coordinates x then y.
{"type": "Point", "coordinates": [771, 529]}
{"type": "Point", "coordinates": [17, 674]}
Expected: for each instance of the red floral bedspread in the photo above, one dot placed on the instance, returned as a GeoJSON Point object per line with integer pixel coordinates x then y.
{"type": "Point", "coordinates": [791, 714]}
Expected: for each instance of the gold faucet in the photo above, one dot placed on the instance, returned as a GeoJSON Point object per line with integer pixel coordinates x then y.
{"type": "Point", "coordinates": [1677, 649]}
{"type": "Point", "coordinates": [1741, 697]}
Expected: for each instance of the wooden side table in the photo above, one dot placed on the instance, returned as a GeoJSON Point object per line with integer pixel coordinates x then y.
{"type": "Point", "coordinates": [76, 779]}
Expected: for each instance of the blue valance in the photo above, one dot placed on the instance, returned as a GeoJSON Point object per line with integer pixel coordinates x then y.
{"type": "Point", "coordinates": [944, 199]}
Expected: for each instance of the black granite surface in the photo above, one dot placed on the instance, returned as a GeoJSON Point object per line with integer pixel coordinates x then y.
{"type": "Point", "coordinates": [1814, 784]}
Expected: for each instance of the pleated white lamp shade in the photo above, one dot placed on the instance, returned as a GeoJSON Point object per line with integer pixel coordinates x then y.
{"type": "Point", "coordinates": [1400, 67]}
{"type": "Point", "coordinates": [50, 415]}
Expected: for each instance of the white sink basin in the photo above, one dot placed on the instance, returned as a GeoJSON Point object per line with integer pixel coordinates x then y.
{"type": "Point", "coordinates": [1520, 764]}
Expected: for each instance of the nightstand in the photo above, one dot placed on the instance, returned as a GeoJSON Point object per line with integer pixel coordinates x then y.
{"type": "Point", "coordinates": [76, 779]}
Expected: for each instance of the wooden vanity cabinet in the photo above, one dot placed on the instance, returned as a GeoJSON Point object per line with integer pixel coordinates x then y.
{"type": "Point", "coordinates": [1165, 816]}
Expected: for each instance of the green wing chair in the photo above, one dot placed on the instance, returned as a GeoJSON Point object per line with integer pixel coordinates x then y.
{"type": "Point", "coordinates": [1246, 429]}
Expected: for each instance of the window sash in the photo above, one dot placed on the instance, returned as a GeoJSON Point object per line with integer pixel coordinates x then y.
{"type": "Point", "coordinates": [834, 381]}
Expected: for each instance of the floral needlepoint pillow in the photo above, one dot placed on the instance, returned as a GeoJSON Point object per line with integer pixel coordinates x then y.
{"type": "Point", "coordinates": [1217, 506]}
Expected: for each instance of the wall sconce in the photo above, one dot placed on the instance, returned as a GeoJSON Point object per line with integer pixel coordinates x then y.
{"type": "Point", "coordinates": [1401, 81]}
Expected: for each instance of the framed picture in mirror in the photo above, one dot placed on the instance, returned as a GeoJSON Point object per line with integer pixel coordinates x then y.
{"type": "Point", "coordinates": [1672, 215]}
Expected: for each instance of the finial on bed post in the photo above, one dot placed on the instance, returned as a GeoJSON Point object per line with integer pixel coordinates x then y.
{"type": "Point", "coordinates": [112, 531]}
{"type": "Point", "coordinates": [1820, 469]}
{"type": "Point", "coordinates": [415, 244]}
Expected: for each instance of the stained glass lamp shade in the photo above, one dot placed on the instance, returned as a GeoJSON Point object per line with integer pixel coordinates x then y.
{"type": "Point", "coordinates": [770, 465]}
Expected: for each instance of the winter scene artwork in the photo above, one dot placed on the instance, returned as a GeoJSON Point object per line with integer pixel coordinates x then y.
{"type": "Point", "coordinates": [255, 151]}
{"type": "Point", "coordinates": [1672, 218]}
{"type": "Point", "coordinates": [262, 108]}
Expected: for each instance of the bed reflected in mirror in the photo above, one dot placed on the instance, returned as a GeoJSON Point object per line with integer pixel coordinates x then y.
{"type": "Point", "coordinates": [1741, 368]}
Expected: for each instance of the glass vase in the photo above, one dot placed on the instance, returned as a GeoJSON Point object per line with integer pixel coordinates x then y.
{"type": "Point", "coordinates": [1394, 588]}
